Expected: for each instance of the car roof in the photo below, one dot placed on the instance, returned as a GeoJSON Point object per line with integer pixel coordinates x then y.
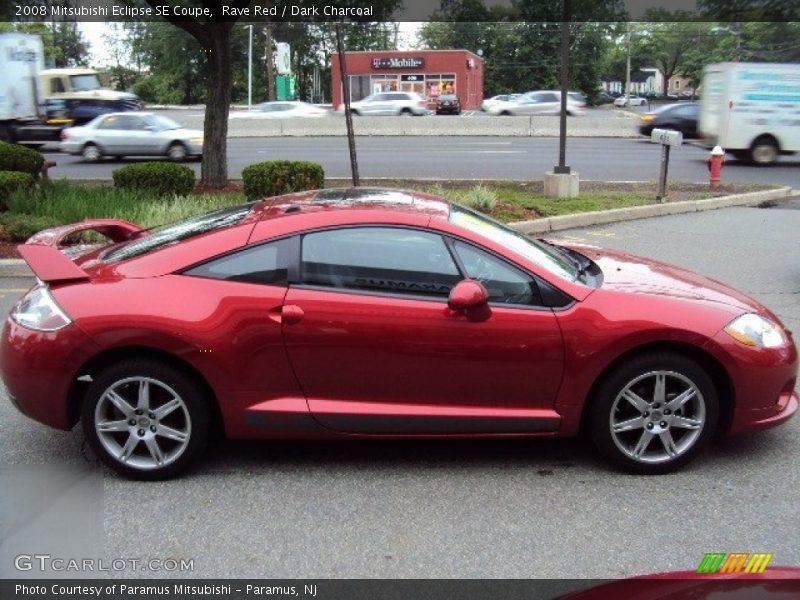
{"type": "Point", "coordinates": [351, 198]}
{"type": "Point", "coordinates": [128, 113]}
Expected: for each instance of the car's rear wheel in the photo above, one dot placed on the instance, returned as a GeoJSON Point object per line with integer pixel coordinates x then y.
{"type": "Point", "coordinates": [654, 413]}
{"type": "Point", "coordinates": [146, 420]}
{"type": "Point", "coordinates": [91, 153]}
{"type": "Point", "coordinates": [505, 113]}
{"type": "Point", "coordinates": [406, 112]}
{"type": "Point", "coordinates": [177, 152]}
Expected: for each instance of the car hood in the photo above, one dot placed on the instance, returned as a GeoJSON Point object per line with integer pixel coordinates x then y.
{"type": "Point", "coordinates": [628, 273]}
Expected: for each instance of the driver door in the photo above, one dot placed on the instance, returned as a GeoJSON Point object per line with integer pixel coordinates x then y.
{"type": "Point", "coordinates": [377, 350]}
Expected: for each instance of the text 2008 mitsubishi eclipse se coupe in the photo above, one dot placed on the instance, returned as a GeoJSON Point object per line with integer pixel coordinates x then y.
{"type": "Point", "coordinates": [369, 312]}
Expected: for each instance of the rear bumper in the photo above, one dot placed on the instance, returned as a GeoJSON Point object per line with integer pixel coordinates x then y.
{"type": "Point", "coordinates": [38, 369]}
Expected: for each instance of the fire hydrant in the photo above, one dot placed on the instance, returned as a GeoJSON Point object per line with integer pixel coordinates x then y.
{"type": "Point", "coordinates": [715, 161]}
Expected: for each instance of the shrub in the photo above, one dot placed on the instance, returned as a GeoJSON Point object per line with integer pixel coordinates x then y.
{"type": "Point", "coordinates": [480, 198]}
{"type": "Point", "coordinates": [162, 178]}
{"type": "Point", "coordinates": [19, 158]}
{"type": "Point", "coordinates": [12, 181]}
{"type": "Point", "coordinates": [18, 228]}
{"type": "Point", "coordinates": [276, 177]}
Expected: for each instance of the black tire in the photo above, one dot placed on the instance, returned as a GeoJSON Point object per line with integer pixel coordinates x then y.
{"type": "Point", "coordinates": [406, 112]}
{"type": "Point", "coordinates": [686, 429]}
{"type": "Point", "coordinates": [505, 113]}
{"type": "Point", "coordinates": [6, 134]}
{"type": "Point", "coordinates": [143, 430]}
{"type": "Point", "coordinates": [91, 153]}
{"type": "Point", "coordinates": [764, 151]}
{"type": "Point", "coordinates": [177, 152]}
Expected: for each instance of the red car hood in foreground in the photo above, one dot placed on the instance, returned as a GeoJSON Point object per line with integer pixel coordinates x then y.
{"type": "Point", "coordinates": [626, 273]}
{"type": "Point", "coordinates": [776, 583]}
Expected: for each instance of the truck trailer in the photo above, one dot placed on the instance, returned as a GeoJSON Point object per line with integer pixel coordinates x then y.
{"type": "Point", "coordinates": [751, 110]}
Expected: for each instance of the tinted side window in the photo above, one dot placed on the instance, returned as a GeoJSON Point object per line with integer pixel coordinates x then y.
{"type": "Point", "coordinates": [265, 264]}
{"type": "Point", "coordinates": [380, 259]}
{"type": "Point", "coordinates": [504, 283]}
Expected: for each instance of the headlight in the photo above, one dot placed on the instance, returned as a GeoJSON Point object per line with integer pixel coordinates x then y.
{"type": "Point", "coordinates": [196, 140]}
{"type": "Point", "coordinates": [755, 330]}
{"type": "Point", "coordinates": [38, 310]}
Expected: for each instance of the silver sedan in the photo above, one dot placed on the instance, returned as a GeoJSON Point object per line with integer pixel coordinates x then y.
{"type": "Point", "coordinates": [132, 133]}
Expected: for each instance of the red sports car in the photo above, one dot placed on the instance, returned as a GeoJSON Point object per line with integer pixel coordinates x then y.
{"type": "Point", "coordinates": [371, 312]}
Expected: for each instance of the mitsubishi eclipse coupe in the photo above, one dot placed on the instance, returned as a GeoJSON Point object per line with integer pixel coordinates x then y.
{"type": "Point", "coordinates": [371, 313]}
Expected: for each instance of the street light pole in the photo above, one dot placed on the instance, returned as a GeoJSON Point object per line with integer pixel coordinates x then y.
{"type": "Point", "coordinates": [562, 167]}
{"type": "Point", "coordinates": [250, 69]}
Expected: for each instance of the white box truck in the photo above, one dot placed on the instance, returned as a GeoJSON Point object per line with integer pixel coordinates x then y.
{"type": "Point", "coordinates": [36, 104]}
{"type": "Point", "coordinates": [21, 62]}
{"type": "Point", "coordinates": [752, 110]}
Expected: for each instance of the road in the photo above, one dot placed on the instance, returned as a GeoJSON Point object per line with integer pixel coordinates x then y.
{"type": "Point", "coordinates": [471, 157]}
{"type": "Point", "coordinates": [521, 509]}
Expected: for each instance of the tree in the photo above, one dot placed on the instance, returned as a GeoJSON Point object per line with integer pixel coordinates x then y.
{"type": "Point", "coordinates": [214, 39]}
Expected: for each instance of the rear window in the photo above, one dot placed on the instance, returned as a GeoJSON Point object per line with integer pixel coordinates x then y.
{"type": "Point", "coordinates": [170, 234]}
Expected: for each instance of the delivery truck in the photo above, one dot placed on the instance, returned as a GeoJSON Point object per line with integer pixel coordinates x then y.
{"type": "Point", "coordinates": [36, 104]}
{"type": "Point", "coordinates": [751, 110]}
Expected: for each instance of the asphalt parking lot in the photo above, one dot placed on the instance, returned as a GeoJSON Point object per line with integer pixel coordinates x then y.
{"type": "Point", "coordinates": [516, 509]}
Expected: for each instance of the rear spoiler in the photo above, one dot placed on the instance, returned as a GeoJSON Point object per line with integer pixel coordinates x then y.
{"type": "Point", "coordinates": [49, 264]}
{"type": "Point", "coordinates": [114, 229]}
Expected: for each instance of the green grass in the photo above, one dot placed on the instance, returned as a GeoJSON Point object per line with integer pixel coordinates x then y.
{"type": "Point", "coordinates": [515, 204]}
{"type": "Point", "coordinates": [64, 202]}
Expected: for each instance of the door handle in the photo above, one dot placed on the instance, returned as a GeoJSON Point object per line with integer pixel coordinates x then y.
{"type": "Point", "coordinates": [291, 314]}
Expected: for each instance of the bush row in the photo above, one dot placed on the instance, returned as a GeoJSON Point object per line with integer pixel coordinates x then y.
{"type": "Point", "coordinates": [261, 180]}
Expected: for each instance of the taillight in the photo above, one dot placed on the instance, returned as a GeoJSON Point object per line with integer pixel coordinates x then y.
{"type": "Point", "coordinates": [421, 103]}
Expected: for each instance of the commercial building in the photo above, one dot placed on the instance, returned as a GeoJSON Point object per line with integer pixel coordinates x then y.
{"type": "Point", "coordinates": [426, 72]}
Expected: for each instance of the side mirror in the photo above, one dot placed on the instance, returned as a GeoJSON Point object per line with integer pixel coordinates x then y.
{"type": "Point", "coordinates": [467, 294]}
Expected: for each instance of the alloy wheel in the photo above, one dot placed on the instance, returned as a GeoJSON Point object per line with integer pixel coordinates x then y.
{"type": "Point", "coordinates": [143, 423]}
{"type": "Point", "coordinates": [657, 417]}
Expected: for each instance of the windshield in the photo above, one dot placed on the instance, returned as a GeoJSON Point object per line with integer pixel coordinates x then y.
{"type": "Point", "coordinates": [84, 83]}
{"type": "Point", "coordinates": [535, 251]}
{"type": "Point", "coordinates": [161, 123]}
{"type": "Point", "coordinates": [169, 234]}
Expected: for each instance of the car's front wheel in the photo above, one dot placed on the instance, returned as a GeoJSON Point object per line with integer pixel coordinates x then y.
{"type": "Point", "coordinates": [654, 413]}
{"type": "Point", "coordinates": [145, 419]}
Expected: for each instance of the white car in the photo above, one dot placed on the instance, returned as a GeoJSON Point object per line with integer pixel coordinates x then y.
{"type": "Point", "coordinates": [494, 100]}
{"type": "Point", "coordinates": [538, 103]}
{"type": "Point", "coordinates": [132, 133]}
{"type": "Point", "coordinates": [280, 110]}
{"type": "Point", "coordinates": [630, 101]}
{"type": "Point", "coordinates": [389, 103]}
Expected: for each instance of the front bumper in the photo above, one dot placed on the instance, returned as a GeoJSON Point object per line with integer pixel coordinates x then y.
{"type": "Point", "coordinates": [38, 369]}
{"type": "Point", "coordinates": [762, 381]}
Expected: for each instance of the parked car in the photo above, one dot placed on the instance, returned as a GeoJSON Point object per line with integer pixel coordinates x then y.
{"type": "Point", "coordinates": [373, 312]}
{"type": "Point", "coordinates": [538, 103]}
{"type": "Point", "coordinates": [280, 110]}
{"type": "Point", "coordinates": [132, 134]}
{"type": "Point", "coordinates": [605, 98]}
{"type": "Point", "coordinates": [630, 101]}
{"type": "Point", "coordinates": [389, 103]}
{"type": "Point", "coordinates": [680, 117]}
{"type": "Point", "coordinates": [448, 104]}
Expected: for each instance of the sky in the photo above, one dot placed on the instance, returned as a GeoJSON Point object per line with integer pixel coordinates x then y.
{"type": "Point", "coordinates": [101, 55]}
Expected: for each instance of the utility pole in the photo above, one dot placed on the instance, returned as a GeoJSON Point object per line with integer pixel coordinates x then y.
{"type": "Point", "coordinates": [270, 63]}
{"type": "Point", "coordinates": [348, 115]}
{"type": "Point", "coordinates": [250, 67]}
{"type": "Point", "coordinates": [628, 68]}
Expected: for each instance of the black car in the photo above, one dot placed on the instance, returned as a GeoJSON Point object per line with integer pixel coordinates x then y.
{"type": "Point", "coordinates": [448, 104]}
{"type": "Point", "coordinates": [679, 117]}
{"type": "Point", "coordinates": [79, 111]}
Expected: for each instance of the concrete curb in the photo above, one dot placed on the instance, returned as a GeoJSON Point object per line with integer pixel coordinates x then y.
{"type": "Point", "coordinates": [14, 267]}
{"type": "Point", "coordinates": [616, 215]}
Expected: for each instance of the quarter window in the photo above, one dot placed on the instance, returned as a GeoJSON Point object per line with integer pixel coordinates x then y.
{"type": "Point", "coordinates": [264, 264]}
{"type": "Point", "coordinates": [379, 259]}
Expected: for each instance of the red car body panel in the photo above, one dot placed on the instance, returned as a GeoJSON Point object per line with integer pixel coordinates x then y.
{"type": "Point", "coordinates": [305, 361]}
